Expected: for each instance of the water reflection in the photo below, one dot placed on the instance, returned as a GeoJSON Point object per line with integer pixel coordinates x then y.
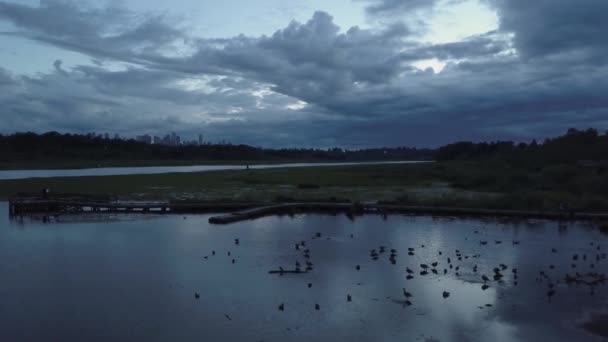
{"type": "Point", "coordinates": [134, 278]}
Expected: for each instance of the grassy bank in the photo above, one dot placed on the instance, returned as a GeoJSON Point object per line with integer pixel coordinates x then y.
{"type": "Point", "coordinates": [458, 184]}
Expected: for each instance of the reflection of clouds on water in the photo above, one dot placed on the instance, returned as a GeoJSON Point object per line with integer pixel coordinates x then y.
{"type": "Point", "coordinates": [145, 272]}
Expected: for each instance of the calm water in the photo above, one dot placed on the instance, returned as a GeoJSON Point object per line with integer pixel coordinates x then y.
{"type": "Point", "coordinates": [134, 279]}
{"type": "Point", "coordinates": [113, 171]}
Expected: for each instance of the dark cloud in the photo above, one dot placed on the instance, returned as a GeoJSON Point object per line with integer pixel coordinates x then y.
{"type": "Point", "coordinates": [574, 29]}
{"type": "Point", "coordinates": [313, 83]}
{"type": "Point", "coordinates": [105, 32]}
{"type": "Point", "coordinates": [383, 7]}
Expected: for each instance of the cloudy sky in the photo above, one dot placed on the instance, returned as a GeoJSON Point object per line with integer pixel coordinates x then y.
{"type": "Point", "coordinates": [317, 73]}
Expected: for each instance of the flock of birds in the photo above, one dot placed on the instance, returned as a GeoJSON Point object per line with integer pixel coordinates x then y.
{"type": "Point", "coordinates": [458, 263]}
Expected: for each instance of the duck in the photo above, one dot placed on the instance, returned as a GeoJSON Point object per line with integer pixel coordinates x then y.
{"type": "Point", "coordinates": [358, 267]}
{"type": "Point", "coordinates": [406, 294]}
{"type": "Point", "coordinates": [446, 294]}
{"type": "Point", "coordinates": [349, 298]}
{"type": "Point", "coordinates": [196, 295]}
{"type": "Point", "coordinates": [282, 307]}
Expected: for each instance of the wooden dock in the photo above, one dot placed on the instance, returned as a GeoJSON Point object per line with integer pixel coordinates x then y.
{"type": "Point", "coordinates": [28, 204]}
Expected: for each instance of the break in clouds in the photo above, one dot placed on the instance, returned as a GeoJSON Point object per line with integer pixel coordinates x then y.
{"type": "Point", "coordinates": [313, 83]}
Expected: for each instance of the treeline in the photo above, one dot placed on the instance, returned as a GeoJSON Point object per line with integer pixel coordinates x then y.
{"type": "Point", "coordinates": [571, 169]}
{"type": "Point", "coordinates": [576, 147]}
{"type": "Point", "coordinates": [54, 147]}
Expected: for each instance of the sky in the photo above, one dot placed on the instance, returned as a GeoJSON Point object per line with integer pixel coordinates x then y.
{"type": "Point", "coordinates": [306, 73]}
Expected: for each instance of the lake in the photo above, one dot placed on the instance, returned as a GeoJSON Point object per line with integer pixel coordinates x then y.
{"type": "Point", "coordinates": [115, 171]}
{"type": "Point", "coordinates": [134, 278]}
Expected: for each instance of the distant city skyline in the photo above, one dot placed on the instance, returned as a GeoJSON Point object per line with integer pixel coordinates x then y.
{"type": "Point", "coordinates": [170, 139]}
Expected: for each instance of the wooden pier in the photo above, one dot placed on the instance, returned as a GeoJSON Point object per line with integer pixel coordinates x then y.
{"type": "Point", "coordinates": [32, 204]}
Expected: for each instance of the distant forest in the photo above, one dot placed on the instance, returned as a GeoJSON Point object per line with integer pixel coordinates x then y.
{"type": "Point", "coordinates": [586, 148]}
{"type": "Point", "coordinates": [576, 147]}
{"type": "Point", "coordinates": [54, 147]}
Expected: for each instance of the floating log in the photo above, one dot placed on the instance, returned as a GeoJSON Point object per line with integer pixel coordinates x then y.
{"type": "Point", "coordinates": [287, 272]}
{"type": "Point", "coordinates": [350, 209]}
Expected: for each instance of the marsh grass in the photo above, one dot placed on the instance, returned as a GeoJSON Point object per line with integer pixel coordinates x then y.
{"type": "Point", "coordinates": [491, 185]}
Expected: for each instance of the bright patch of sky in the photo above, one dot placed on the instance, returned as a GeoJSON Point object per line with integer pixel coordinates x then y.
{"type": "Point", "coordinates": [454, 22]}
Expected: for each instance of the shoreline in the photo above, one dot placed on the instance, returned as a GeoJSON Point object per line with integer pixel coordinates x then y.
{"type": "Point", "coordinates": [236, 212]}
{"type": "Point", "coordinates": [385, 209]}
